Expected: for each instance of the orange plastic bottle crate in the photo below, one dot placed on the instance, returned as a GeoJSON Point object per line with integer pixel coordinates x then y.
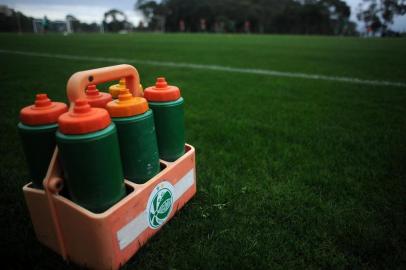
{"type": "Point", "coordinates": [109, 239]}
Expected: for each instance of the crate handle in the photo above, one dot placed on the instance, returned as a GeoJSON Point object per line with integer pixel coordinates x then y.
{"type": "Point", "coordinates": [78, 82]}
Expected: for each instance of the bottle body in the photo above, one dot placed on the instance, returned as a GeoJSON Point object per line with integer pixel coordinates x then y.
{"type": "Point", "coordinates": [92, 168]}
{"type": "Point", "coordinates": [38, 144]}
{"type": "Point", "coordinates": [170, 128]}
{"type": "Point", "coordinates": [138, 146]}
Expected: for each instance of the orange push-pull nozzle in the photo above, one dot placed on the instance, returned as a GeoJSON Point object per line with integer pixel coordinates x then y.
{"type": "Point", "coordinates": [92, 90]}
{"type": "Point", "coordinates": [42, 101]}
{"type": "Point", "coordinates": [124, 95]}
{"type": "Point", "coordinates": [96, 98]}
{"type": "Point", "coordinates": [161, 83]}
{"type": "Point", "coordinates": [81, 106]}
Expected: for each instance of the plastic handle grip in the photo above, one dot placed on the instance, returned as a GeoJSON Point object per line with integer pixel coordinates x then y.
{"type": "Point", "coordinates": [78, 82]}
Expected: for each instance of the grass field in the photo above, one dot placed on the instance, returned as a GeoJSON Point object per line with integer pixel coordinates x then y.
{"type": "Point", "coordinates": [292, 173]}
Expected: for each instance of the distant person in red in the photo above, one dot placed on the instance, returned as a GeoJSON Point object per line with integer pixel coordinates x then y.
{"type": "Point", "coordinates": [203, 25]}
{"type": "Point", "coordinates": [45, 25]}
{"type": "Point", "coordinates": [370, 32]}
{"type": "Point", "coordinates": [181, 26]}
{"type": "Point", "coordinates": [247, 26]}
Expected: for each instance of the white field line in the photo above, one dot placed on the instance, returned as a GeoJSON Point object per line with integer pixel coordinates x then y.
{"type": "Point", "coordinates": [266, 72]}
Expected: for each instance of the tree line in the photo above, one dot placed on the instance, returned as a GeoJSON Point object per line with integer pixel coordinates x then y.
{"type": "Point", "coordinates": [325, 17]}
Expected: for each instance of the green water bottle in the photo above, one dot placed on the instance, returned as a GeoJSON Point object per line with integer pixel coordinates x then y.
{"type": "Point", "coordinates": [89, 150]}
{"type": "Point", "coordinates": [167, 105]}
{"type": "Point", "coordinates": [37, 131]}
{"type": "Point", "coordinates": [137, 138]}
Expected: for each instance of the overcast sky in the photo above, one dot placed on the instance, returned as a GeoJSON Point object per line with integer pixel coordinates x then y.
{"type": "Point", "coordinates": [93, 10]}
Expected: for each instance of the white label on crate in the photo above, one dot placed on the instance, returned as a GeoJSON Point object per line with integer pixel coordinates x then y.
{"type": "Point", "coordinates": [159, 207]}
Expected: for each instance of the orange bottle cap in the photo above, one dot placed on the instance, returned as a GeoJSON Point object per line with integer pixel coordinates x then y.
{"type": "Point", "coordinates": [115, 88]}
{"type": "Point", "coordinates": [83, 119]}
{"type": "Point", "coordinates": [162, 91]}
{"type": "Point", "coordinates": [43, 112]}
{"type": "Point", "coordinates": [126, 105]}
{"type": "Point", "coordinates": [96, 98]}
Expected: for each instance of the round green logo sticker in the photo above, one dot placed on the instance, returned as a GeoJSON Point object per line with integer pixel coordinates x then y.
{"type": "Point", "coordinates": [160, 204]}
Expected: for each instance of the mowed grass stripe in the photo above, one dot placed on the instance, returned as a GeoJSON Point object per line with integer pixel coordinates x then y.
{"type": "Point", "coordinates": [265, 72]}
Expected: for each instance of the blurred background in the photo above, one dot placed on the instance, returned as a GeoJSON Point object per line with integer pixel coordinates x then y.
{"type": "Point", "coordinates": [315, 17]}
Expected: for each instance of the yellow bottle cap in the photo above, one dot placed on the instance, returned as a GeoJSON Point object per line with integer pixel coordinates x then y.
{"type": "Point", "coordinates": [115, 88]}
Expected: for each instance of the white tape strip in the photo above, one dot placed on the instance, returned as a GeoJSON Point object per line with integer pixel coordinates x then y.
{"type": "Point", "coordinates": [184, 184]}
{"type": "Point", "coordinates": [130, 232]}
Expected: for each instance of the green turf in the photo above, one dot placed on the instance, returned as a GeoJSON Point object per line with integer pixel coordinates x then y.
{"type": "Point", "coordinates": [292, 173]}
